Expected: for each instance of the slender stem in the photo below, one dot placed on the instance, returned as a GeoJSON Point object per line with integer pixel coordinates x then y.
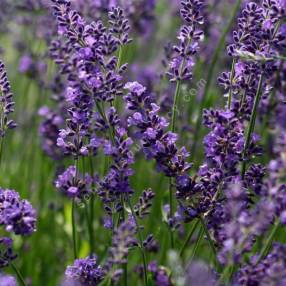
{"type": "Point", "coordinates": [200, 237]}
{"type": "Point", "coordinates": [89, 227]}
{"type": "Point", "coordinates": [268, 243]}
{"type": "Point", "coordinates": [1, 148]}
{"type": "Point", "coordinates": [187, 241]}
{"type": "Point", "coordinates": [140, 241]}
{"type": "Point", "coordinates": [175, 106]}
{"type": "Point", "coordinates": [18, 273]}
{"type": "Point", "coordinates": [74, 230]}
{"type": "Point", "coordinates": [171, 211]}
{"type": "Point", "coordinates": [252, 122]}
{"type": "Point", "coordinates": [125, 265]}
{"type": "Point", "coordinates": [231, 82]}
{"type": "Point", "coordinates": [226, 275]}
{"type": "Point", "coordinates": [211, 70]}
{"type": "Point", "coordinates": [91, 208]}
{"type": "Point", "coordinates": [210, 241]}
{"type": "Point", "coordinates": [120, 56]}
{"type": "Point", "coordinates": [173, 128]}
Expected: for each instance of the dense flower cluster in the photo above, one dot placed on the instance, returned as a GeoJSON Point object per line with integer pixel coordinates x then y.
{"type": "Point", "coordinates": [84, 272]}
{"type": "Point", "coordinates": [6, 252]}
{"type": "Point", "coordinates": [70, 184]}
{"type": "Point", "coordinates": [17, 215]}
{"type": "Point", "coordinates": [229, 199]}
{"type": "Point", "coordinates": [268, 271]}
{"type": "Point", "coordinates": [157, 142]}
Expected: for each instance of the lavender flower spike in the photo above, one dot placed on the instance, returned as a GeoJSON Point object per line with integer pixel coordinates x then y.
{"type": "Point", "coordinates": [16, 215]}
{"type": "Point", "coordinates": [6, 102]}
{"type": "Point", "coordinates": [84, 272]}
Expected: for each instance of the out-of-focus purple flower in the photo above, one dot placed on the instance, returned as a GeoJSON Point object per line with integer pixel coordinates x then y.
{"type": "Point", "coordinates": [7, 280]}
{"type": "Point", "coordinates": [25, 64]}
{"type": "Point", "coordinates": [84, 272]}
{"type": "Point", "coordinates": [16, 215]}
{"type": "Point", "coordinates": [6, 98]}
{"type": "Point", "coordinates": [73, 185]}
{"type": "Point", "coordinates": [200, 274]}
{"type": "Point", "coordinates": [6, 252]}
{"type": "Point", "coordinates": [49, 130]}
{"type": "Point", "coordinates": [271, 270]}
{"type": "Point", "coordinates": [160, 275]}
{"type": "Point", "coordinates": [123, 239]}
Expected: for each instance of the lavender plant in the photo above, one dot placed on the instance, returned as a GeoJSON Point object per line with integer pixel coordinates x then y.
{"type": "Point", "coordinates": [143, 173]}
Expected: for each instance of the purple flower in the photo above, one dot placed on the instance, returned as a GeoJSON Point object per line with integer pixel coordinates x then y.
{"type": "Point", "coordinates": [6, 252]}
{"type": "Point", "coordinates": [160, 275]}
{"type": "Point", "coordinates": [157, 142]}
{"type": "Point", "coordinates": [180, 67]}
{"type": "Point", "coordinates": [7, 280]}
{"type": "Point", "coordinates": [269, 271]}
{"type": "Point", "coordinates": [16, 215]}
{"type": "Point", "coordinates": [73, 185]}
{"type": "Point", "coordinates": [6, 98]}
{"type": "Point", "coordinates": [123, 239]}
{"type": "Point", "coordinates": [85, 272]}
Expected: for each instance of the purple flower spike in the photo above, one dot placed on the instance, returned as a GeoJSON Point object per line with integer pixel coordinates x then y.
{"type": "Point", "coordinates": [6, 98]}
{"type": "Point", "coordinates": [84, 272]}
{"type": "Point", "coordinates": [74, 185]}
{"type": "Point", "coordinates": [16, 215]}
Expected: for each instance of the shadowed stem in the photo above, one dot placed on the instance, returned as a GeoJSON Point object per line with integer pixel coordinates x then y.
{"type": "Point", "coordinates": [211, 70]}
{"type": "Point", "coordinates": [74, 230]}
{"type": "Point", "coordinates": [91, 207]}
{"type": "Point", "coordinates": [231, 81]}
{"type": "Point", "coordinates": [210, 241]}
{"type": "Point", "coordinates": [173, 128]}
{"type": "Point", "coordinates": [140, 242]}
{"type": "Point", "coordinates": [18, 273]}
{"type": "Point", "coordinates": [1, 148]}
{"type": "Point", "coordinates": [200, 237]}
{"type": "Point", "coordinates": [251, 123]}
{"type": "Point", "coordinates": [226, 275]}
{"type": "Point", "coordinates": [187, 241]}
{"type": "Point", "coordinates": [125, 265]}
{"type": "Point", "coordinates": [269, 241]}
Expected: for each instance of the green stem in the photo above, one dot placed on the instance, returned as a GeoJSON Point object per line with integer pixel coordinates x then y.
{"type": "Point", "coordinates": [269, 241]}
{"type": "Point", "coordinates": [120, 56]}
{"type": "Point", "coordinates": [252, 122]}
{"type": "Point", "coordinates": [173, 128]}
{"type": "Point", "coordinates": [171, 211]}
{"type": "Point", "coordinates": [210, 241]}
{"type": "Point", "coordinates": [175, 106]}
{"type": "Point", "coordinates": [187, 241]}
{"type": "Point", "coordinates": [198, 241]}
{"type": "Point", "coordinates": [140, 242]}
{"type": "Point", "coordinates": [18, 273]}
{"type": "Point", "coordinates": [74, 230]}
{"type": "Point", "coordinates": [125, 265]}
{"type": "Point", "coordinates": [226, 275]}
{"type": "Point", "coordinates": [1, 148]}
{"type": "Point", "coordinates": [231, 82]}
{"type": "Point", "coordinates": [211, 70]}
{"type": "Point", "coordinates": [91, 207]}
{"type": "Point", "coordinates": [89, 227]}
